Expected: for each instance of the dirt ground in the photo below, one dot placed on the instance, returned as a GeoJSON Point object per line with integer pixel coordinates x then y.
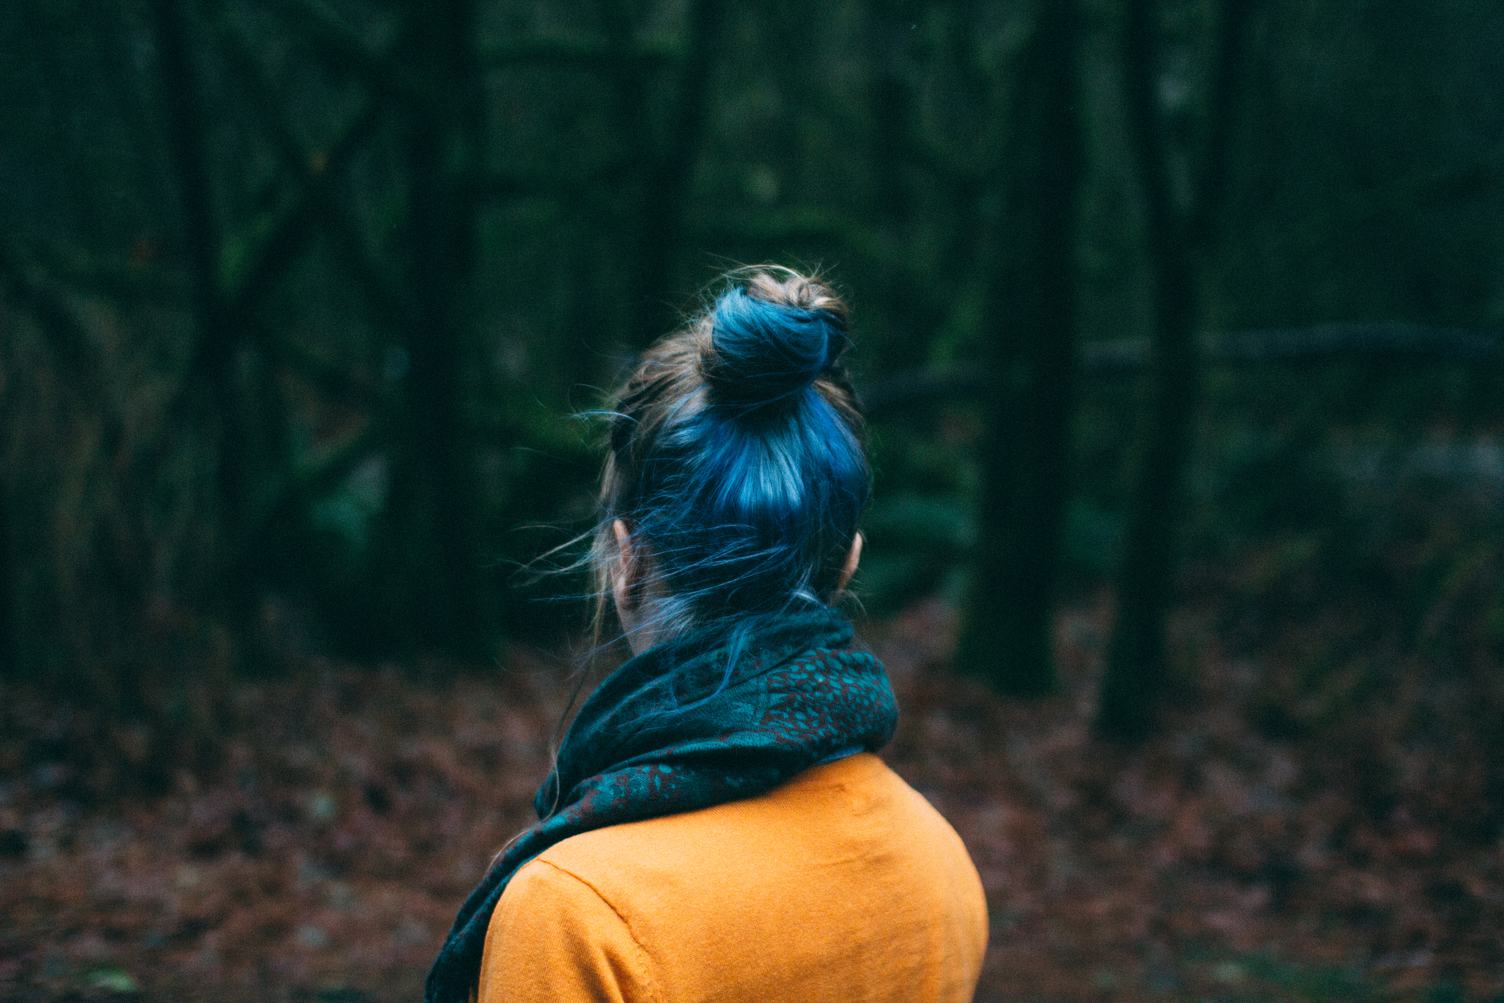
{"type": "Point", "coordinates": [319, 847]}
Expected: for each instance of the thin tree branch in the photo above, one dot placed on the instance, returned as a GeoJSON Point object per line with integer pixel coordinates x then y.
{"type": "Point", "coordinates": [1389, 342]}
{"type": "Point", "coordinates": [340, 48]}
{"type": "Point", "coordinates": [64, 334]}
{"type": "Point", "coordinates": [259, 257]}
{"type": "Point", "coordinates": [317, 195]}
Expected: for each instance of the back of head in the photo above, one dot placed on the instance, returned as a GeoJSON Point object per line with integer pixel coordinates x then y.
{"type": "Point", "coordinates": [736, 459]}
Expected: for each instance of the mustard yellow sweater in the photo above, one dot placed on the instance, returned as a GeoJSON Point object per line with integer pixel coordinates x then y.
{"type": "Point", "coordinates": [843, 885]}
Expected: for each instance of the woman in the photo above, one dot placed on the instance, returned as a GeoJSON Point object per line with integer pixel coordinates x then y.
{"type": "Point", "coordinates": [717, 826]}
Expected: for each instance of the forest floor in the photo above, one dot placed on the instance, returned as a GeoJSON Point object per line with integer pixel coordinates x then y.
{"type": "Point", "coordinates": [1259, 847]}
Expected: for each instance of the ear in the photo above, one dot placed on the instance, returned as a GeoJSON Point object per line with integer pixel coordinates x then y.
{"type": "Point", "coordinates": [626, 570]}
{"type": "Point", "coordinates": [853, 557]}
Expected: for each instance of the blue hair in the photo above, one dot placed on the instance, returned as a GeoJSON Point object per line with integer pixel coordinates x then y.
{"type": "Point", "coordinates": [737, 461]}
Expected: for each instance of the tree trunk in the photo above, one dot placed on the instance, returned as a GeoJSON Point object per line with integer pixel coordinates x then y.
{"type": "Point", "coordinates": [430, 553]}
{"type": "Point", "coordinates": [1176, 237]}
{"type": "Point", "coordinates": [1136, 668]}
{"type": "Point", "coordinates": [9, 648]}
{"type": "Point", "coordinates": [211, 393]}
{"type": "Point", "coordinates": [666, 179]}
{"type": "Point", "coordinates": [1006, 635]}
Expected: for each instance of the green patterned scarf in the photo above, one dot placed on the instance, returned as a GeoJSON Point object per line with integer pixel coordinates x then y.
{"type": "Point", "coordinates": [688, 724]}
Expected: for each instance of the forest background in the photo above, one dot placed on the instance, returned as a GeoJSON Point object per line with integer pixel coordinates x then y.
{"type": "Point", "coordinates": [1178, 327]}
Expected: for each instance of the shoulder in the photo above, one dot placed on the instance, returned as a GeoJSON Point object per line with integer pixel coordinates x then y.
{"type": "Point", "coordinates": [555, 937]}
{"type": "Point", "coordinates": [682, 903]}
{"type": "Point", "coordinates": [855, 822]}
{"type": "Point", "coordinates": [543, 879]}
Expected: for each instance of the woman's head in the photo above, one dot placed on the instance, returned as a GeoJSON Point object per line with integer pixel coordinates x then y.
{"type": "Point", "coordinates": [736, 472]}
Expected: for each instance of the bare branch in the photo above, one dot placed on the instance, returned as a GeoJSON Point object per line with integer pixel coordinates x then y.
{"type": "Point", "coordinates": [1322, 343]}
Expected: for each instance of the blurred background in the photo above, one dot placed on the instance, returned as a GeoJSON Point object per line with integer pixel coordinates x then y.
{"type": "Point", "coordinates": [1180, 327]}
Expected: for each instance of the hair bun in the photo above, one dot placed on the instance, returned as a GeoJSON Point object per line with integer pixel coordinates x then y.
{"type": "Point", "coordinates": [770, 339]}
